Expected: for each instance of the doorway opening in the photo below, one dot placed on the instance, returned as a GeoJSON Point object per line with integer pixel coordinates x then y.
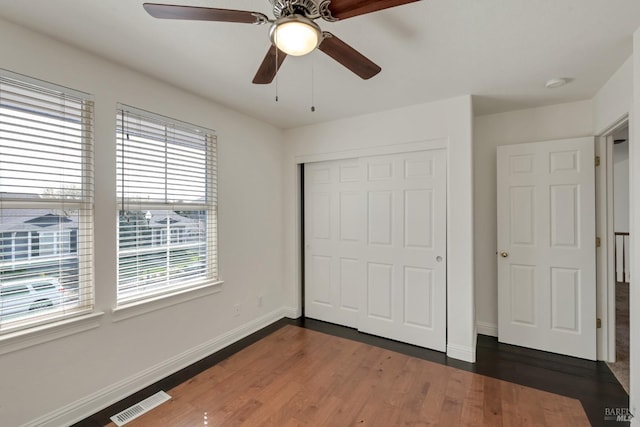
{"type": "Point", "coordinates": [618, 140]}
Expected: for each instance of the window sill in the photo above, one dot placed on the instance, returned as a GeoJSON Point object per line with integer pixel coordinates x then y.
{"type": "Point", "coordinates": [25, 338]}
{"type": "Point", "coordinates": [138, 308]}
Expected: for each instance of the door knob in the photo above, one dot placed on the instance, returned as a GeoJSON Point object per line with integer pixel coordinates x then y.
{"type": "Point", "coordinates": [504, 254]}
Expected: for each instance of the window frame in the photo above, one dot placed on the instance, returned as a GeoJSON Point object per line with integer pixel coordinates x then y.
{"type": "Point", "coordinates": [41, 92]}
{"type": "Point", "coordinates": [165, 236]}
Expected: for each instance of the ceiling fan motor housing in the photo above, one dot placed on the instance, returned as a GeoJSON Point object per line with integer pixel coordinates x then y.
{"type": "Point", "coordinates": [306, 8]}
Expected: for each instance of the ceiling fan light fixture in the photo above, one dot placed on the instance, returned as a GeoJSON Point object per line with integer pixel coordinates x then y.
{"type": "Point", "coordinates": [295, 35]}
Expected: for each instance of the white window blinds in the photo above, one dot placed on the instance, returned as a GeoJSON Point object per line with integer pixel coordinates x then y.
{"type": "Point", "coordinates": [166, 185]}
{"type": "Point", "coordinates": [46, 202]}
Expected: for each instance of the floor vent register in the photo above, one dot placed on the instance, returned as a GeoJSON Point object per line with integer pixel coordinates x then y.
{"type": "Point", "coordinates": [140, 408]}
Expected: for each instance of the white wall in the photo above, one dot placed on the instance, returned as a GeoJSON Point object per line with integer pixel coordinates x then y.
{"type": "Point", "coordinates": [450, 120]}
{"type": "Point", "coordinates": [634, 193]}
{"type": "Point", "coordinates": [613, 100]}
{"type": "Point", "coordinates": [65, 379]}
{"type": "Point", "coordinates": [531, 125]}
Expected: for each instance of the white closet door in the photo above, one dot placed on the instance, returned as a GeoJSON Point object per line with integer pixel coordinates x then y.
{"type": "Point", "coordinates": [546, 246]}
{"type": "Point", "coordinates": [404, 295]}
{"type": "Point", "coordinates": [334, 232]}
{"type": "Point", "coordinates": [375, 231]}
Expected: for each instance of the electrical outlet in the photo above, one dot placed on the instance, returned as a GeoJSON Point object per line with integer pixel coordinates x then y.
{"type": "Point", "coordinates": [259, 301]}
{"type": "Point", "coordinates": [236, 310]}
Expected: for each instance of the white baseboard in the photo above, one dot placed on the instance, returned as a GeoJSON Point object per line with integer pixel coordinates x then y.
{"type": "Point", "coordinates": [461, 352]}
{"type": "Point", "coordinates": [486, 328]}
{"type": "Point", "coordinates": [101, 399]}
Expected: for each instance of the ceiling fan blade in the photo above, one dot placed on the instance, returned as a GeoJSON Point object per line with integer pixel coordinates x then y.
{"type": "Point", "coordinates": [268, 69]}
{"type": "Point", "coordinates": [348, 56]}
{"type": "Point", "coordinates": [168, 11]}
{"type": "Point", "coordinates": [343, 9]}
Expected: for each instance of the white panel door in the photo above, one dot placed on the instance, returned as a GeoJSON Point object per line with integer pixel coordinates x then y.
{"type": "Point", "coordinates": [546, 246]}
{"type": "Point", "coordinates": [334, 235]}
{"type": "Point", "coordinates": [375, 245]}
{"type": "Point", "coordinates": [404, 294]}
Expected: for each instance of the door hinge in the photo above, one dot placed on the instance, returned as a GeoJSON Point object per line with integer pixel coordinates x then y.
{"type": "Point", "coordinates": [597, 160]}
{"type": "Point", "coordinates": [597, 242]}
{"type": "Point", "coordinates": [598, 323]}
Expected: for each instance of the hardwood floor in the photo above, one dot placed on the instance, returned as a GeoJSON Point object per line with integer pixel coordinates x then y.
{"type": "Point", "coordinates": [300, 377]}
{"type": "Point", "coordinates": [368, 380]}
{"type": "Point", "coordinates": [592, 383]}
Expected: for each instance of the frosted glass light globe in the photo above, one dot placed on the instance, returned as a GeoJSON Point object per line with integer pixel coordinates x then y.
{"type": "Point", "coordinates": [295, 35]}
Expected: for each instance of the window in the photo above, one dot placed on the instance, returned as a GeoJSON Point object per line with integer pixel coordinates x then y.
{"type": "Point", "coordinates": [167, 215]}
{"type": "Point", "coordinates": [46, 202]}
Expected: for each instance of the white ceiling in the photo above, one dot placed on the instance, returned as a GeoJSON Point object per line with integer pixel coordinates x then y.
{"type": "Point", "coordinates": [503, 51]}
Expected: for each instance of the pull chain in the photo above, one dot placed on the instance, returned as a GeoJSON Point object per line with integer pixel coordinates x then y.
{"type": "Point", "coordinates": [313, 89]}
{"type": "Point", "coordinates": [276, 44]}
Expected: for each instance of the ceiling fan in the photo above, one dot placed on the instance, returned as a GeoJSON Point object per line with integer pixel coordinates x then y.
{"type": "Point", "coordinates": [293, 31]}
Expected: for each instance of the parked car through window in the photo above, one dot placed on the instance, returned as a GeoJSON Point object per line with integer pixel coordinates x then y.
{"type": "Point", "coordinates": [29, 295]}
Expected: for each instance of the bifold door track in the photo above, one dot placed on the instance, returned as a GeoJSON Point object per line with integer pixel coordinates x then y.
{"type": "Point", "coordinates": [140, 408]}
